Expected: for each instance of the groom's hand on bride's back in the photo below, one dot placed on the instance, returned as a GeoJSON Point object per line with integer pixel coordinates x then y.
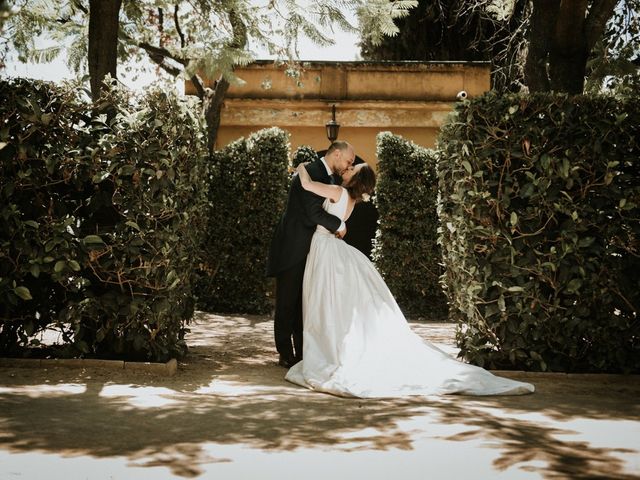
{"type": "Point", "coordinates": [341, 233]}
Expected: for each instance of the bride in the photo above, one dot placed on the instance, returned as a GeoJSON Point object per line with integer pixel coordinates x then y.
{"type": "Point", "coordinates": [357, 342]}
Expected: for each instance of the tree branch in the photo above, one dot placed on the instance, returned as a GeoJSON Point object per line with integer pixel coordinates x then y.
{"type": "Point", "coordinates": [197, 83]}
{"type": "Point", "coordinates": [162, 52]}
{"type": "Point", "coordinates": [158, 56]}
{"type": "Point", "coordinates": [79, 6]}
{"type": "Point", "coordinates": [173, 71]}
{"type": "Point", "coordinates": [176, 21]}
{"type": "Point", "coordinates": [160, 25]}
{"type": "Point", "coordinates": [239, 30]}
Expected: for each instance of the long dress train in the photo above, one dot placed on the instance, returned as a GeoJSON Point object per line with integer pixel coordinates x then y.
{"type": "Point", "coordinates": [357, 342]}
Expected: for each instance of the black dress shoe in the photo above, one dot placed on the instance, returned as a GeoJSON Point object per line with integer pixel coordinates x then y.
{"type": "Point", "coordinates": [286, 362]}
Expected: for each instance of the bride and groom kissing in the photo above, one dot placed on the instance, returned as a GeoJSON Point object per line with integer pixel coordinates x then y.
{"type": "Point", "coordinates": [333, 306]}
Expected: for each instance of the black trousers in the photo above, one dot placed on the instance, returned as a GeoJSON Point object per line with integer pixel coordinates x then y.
{"type": "Point", "coordinates": [287, 323]}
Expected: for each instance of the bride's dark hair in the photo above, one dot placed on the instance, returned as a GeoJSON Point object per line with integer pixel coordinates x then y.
{"type": "Point", "coordinates": [362, 183]}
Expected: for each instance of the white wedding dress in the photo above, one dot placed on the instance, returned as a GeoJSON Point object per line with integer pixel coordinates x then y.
{"type": "Point", "coordinates": [357, 342]}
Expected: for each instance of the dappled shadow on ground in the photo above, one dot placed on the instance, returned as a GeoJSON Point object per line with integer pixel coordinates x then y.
{"type": "Point", "coordinates": [230, 391]}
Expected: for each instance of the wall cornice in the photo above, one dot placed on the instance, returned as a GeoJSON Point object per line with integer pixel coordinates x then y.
{"type": "Point", "coordinates": [308, 113]}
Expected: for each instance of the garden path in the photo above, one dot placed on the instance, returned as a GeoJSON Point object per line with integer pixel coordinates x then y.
{"type": "Point", "coordinates": [228, 414]}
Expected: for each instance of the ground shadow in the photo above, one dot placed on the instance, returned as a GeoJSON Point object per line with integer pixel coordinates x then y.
{"type": "Point", "coordinates": [230, 391]}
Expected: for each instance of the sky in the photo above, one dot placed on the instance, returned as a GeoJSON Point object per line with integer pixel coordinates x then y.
{"type": "Point", "coordinates": [344, 49]}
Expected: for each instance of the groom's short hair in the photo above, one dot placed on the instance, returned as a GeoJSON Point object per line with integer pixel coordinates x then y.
{"type": "Point", "coordinates": [338, 145]}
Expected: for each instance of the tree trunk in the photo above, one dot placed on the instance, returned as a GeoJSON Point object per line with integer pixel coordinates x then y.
{"type": "Point", "coordinates": [103, 42]}
{"type": "Point", "coordinates": [541, 32]}
{"type": "Point", "coordinates": [561, 37]}
{"type": "Point", "coordinates": [213, 108]}
{"type": "Point", "coordinates": [214, 99]}
{"type": "Point", "coordinates": [568, 54]}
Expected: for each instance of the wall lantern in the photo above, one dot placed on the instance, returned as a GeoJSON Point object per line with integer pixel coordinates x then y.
{"type": "Point", "coordinates": [333, 127]}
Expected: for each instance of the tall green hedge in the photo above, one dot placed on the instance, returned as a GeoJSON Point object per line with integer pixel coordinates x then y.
{"type": "Point", "coordinates": [304, 154]}
{"type": "Point", "coordinates": [99, 219]}
{"type": "Point", "coordinates": [405, 250]}
{"type": "Point", "coordinates": [248, 184]}
{"type": "Point", "coordinates": [540, 231]}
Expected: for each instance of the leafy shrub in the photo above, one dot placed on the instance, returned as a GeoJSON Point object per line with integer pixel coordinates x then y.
{"type": "Point", "coordinates": [100, 219]}
{"type": "Point", "coordinates": [541, 231]}
{"type": "Point", "coordinates": [406, 251]}
{"type": "Point", "coordinates": [304, 154]}
{"type": "Point", "coordinates": [248, 183]}
{"type": "Point", "coordinates": [37, 206]}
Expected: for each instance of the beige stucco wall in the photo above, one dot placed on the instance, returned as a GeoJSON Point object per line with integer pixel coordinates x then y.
{"type": "Point", "coordinates": [411, 99]}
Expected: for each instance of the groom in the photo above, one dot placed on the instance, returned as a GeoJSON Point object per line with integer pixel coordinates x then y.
{"type": "Point", "coordinates": [290, 245]}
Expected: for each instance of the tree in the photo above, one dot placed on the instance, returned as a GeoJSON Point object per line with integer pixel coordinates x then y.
{"type": "Point", "coordinates": [543, 44]}
{"type": "Point", "coordinates": [449, 30]}
{"type": "Point", "coordinates": [432, 31]}
{"type": "Point", "coordinates": [561, 37]}
{"type": "Point", "coordinates": [4, 12]}
{"type": "Point", "coordinates": [614, 63]}
{"type": "Point", "coordinates": [200, 39]}
{"type": "Point", "coordinates": [103, 42]}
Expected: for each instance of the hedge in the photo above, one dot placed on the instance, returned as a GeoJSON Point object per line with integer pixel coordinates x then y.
{"type": "Point", "coordinates": [303, 154]}
{"type": "Point", "coordinates": [99, 220]}
{"type": "Point", "coordinates": [405, 248]}
{"type": "Point", "coordinates": [248, 184]}
{"type": "Point", "coordinates": [540, 231]}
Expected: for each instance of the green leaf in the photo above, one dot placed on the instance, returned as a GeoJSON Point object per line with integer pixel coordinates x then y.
{"type": "Point", "coordinates": [92, 239]}
{"type": "Point", "coordinates": [100, 334]}
{"type": "Point", "coordinates": [59, 266]}
{"type": "Point", "coordinates": [535, 355]}
{"type": "Point", "coordinates": [467, 166]}
{"type": "Point", "coordinates": [82, 346]}
{"type": "Point", "coordinates": [75, 266]}
{"type": "Point", "coordinates": [127, 170]}
{"type": "Point", "coordinates": [23, 293]}
{"type": "Point", "coordinates": [586, 242]}
{"type": "Point", "coordinates": [32, 223]}
{"type": "Point", "coordinates": [99, 177]}
{"type": "Point", "coordinates": [501, 304]}
{"type": "Point", "coordinates": [172, 276]}
{"type": "Point", "coordinates": [29, 328]}
{"type": "Point", "coordinates": [133, 224]}
{"type": "Point", "coordinates": [35, 270]}
{"type": "Point", "coordinates": [574, 285]}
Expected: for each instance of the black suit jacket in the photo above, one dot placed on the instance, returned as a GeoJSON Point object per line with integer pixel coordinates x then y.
{"type": "Point", "coordinates": [292, 238]}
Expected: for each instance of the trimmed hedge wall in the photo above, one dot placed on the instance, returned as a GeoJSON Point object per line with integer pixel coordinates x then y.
{"type": "Point", "coordinates": [405, 249]}
{"type": "Point", "coordinates": [99, 219]}
{"type": "Point", "coordinates": [248, 183]}
{"type": "Point", "coordinates": [540, 233]}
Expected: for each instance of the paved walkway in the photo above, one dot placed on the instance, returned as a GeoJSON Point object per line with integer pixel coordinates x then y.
{"type": "Point", "coordinates": [228, 414]}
